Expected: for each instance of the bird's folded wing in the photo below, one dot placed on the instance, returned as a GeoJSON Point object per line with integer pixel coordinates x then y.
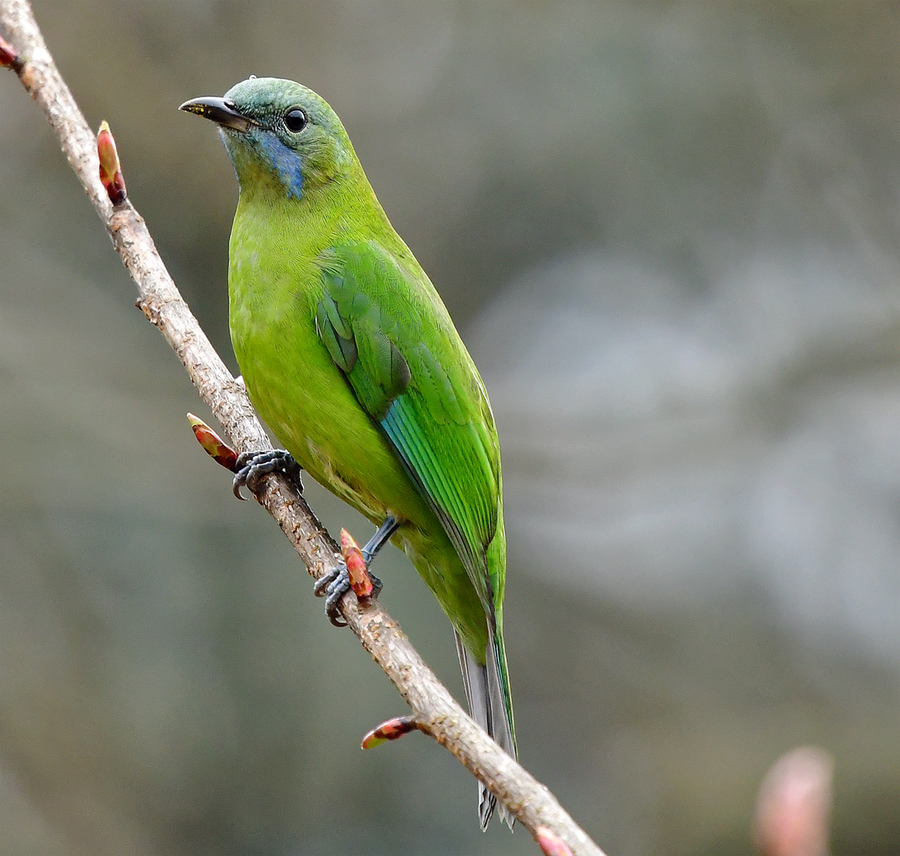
{"type": "Point", "coordinates": [412, 375]}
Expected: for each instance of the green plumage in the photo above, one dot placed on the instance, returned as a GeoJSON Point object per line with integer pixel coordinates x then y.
{"type": "Point", "coordinates": [351, 358]}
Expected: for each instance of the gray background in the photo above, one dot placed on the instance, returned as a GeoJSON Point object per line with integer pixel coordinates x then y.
{"type": "Point", "coordinates": [669, 233]}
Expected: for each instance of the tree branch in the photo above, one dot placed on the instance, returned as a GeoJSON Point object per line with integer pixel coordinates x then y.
{"type": "Point", "coordinates": [434, 709]}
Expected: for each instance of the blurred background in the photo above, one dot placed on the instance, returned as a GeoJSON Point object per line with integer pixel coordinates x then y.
{"type": "Point", "coordinates": [669, 233]}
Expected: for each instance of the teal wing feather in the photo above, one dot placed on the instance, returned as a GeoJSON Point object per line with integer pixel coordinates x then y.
{"type": "Point", "coordinates": [412, 375]}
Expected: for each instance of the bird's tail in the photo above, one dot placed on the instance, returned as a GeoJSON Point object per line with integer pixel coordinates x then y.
{"type": "Point", "coordinates": [490, 704]}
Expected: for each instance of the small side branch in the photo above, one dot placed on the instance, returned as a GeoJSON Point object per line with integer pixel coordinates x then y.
{"type": "Point", "coordinates": [434, 710]}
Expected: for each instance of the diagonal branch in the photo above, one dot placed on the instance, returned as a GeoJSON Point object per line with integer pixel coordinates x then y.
{"type": "Point", "coordinates": [434, 709]}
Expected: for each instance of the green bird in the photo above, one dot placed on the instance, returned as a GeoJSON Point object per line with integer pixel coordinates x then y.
{"type": "Point", "coordinates": [351, 358]}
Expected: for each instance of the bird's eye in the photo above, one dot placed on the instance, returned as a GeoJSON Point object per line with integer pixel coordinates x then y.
{"type": "Point", "coordinates": [295, 120]}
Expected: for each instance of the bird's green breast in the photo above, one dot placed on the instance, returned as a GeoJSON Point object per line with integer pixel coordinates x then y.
{"type": "Point", "coordinates": [275, 283]}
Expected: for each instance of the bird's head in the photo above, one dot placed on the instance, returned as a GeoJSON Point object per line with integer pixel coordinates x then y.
{"type": "Point", "coordinates": [279, 135]}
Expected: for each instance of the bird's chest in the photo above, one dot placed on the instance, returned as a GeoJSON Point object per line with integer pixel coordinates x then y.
{"type": "Point", "coordinates": [272, 323]}
{"type": "Point", "coordinates": [273, 287]}
{"type": "Point", "coordinates": [292, 380]}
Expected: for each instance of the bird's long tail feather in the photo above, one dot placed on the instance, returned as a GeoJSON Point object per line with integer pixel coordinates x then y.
{"type": "Point", "coordinates": [487, 694]}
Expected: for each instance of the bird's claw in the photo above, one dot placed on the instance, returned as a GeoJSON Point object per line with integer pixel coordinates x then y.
{"type": "Point", "coordinates": [252, 467]}
{"type": "Point", "coordinates": [333, 586]}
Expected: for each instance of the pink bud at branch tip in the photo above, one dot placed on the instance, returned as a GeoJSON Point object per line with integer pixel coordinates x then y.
{"type": "Point", "coordinates": [110, 168]}
{"type": "Point", "coordinates": [212, 443]}
{"type": "Point", "coordinates": [9, 56]}
{"type": "Point", "coordinates": [550, 843]}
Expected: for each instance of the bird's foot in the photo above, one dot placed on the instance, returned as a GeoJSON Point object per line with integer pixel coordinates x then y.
{"type": "Point", "coordinates": [334, 585]}
{"type": "Point", "coordinates": [252, 467]}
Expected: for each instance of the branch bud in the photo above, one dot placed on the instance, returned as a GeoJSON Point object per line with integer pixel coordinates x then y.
{"type": "Point", "coordinates": [360, 581]}
{"type": "Point", "coordinates": [110, 168]}
{"type": "Point", "coordinates": [550, 843]}
{"type": "Point", "coordinates": [212, 443]}
{"type": "Point", "coordinates": [393, 729]}
{"type": "Point", "coordinates": [9, 56]}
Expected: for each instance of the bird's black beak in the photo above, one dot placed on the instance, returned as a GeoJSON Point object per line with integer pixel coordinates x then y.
{"type": "Point", "coordinates": [218, 110]}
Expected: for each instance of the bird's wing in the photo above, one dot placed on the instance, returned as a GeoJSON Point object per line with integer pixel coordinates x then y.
{"type": "Point", "coordinates": [397, 347]}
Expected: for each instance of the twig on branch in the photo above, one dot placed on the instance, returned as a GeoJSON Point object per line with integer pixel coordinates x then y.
{"type": "Point", "coordinates": [434, 710]}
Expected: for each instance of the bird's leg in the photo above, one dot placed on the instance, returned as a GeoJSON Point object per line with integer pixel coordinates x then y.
{"type": "Point", "coordinates": [334, 585]}
{"type": "Point", "coordinates": [251, 467]}
{"type": "Point", "coordinates": [382, 535]}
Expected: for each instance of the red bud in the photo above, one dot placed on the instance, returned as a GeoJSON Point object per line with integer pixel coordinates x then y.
{"type": "Point", "coordinates": [212, 443]}
{"type": "Point", "coordinates": [393, 729]}
{"type": "Point", "coordinates": [9, 56]}
{"type": "Point", "coordinates": [110, 168]}
{"type": "Point", "coordinates": [550, 843]}
{"type": "Point", "coordinates": [360, 581]}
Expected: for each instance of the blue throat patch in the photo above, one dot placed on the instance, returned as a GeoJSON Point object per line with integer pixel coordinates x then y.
{"type": "Point", "coordinates": [286, 163]}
